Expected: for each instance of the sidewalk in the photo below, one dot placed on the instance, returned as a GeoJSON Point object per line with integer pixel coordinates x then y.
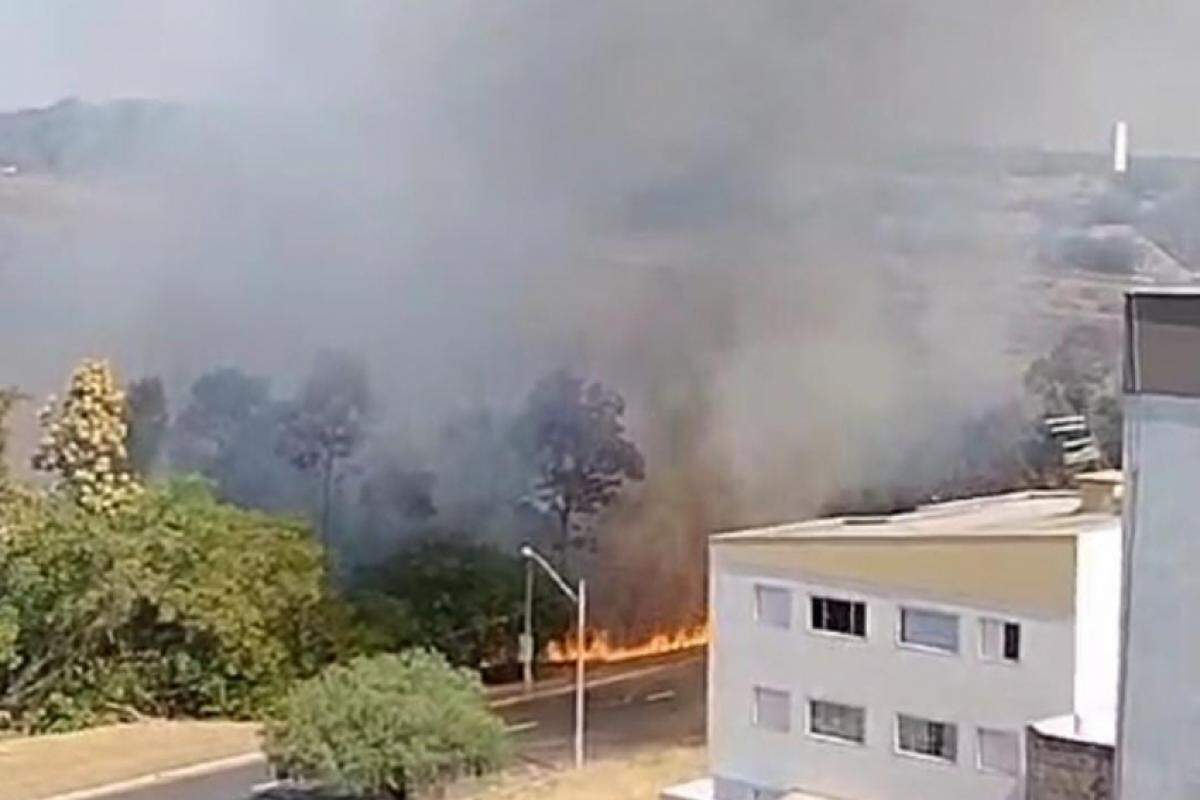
{"type": "Point", "coordinates": [44, 766]}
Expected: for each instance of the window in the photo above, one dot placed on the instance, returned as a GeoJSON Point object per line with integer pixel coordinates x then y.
{"type": "Point", "coordinates": [1000, 640]}
{"type": "Point", "coordinates": [837, 721]}
{"type": "Point", "coordinates": [926, 737]}
{"type": "Point", "coordinates": [999, 751]}
{"type": "Point", "coordinates": [772, 709]}
{"type": "Point", "coordinates": [848, 617]}
{"type": "Point", "coordinates": [773, 606]}
{"type": "Point", "coordinates": [932, 629]}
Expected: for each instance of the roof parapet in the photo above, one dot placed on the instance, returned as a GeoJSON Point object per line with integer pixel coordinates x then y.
{"type": "Point", "coordinates": [1101, 492]}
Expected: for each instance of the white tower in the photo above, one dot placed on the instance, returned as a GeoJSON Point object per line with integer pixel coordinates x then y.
{"type": "Point", "coordinates": [1158, 725]}
{"type": "Point", "coordinates": [1120, 148]}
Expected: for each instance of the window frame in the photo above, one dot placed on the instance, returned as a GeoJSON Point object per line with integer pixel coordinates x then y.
{"type": "Point", "coordinates": [980, 730]}
{"type": "Point", "coordinates": [1004, 624]}
{"type": "Point", "coordinates": [814, 597]}
{"type": "Point", "coordinates": [927, 757]}
{"type": "Point", "coordinates": [830, 737]}
{"type": "Point", "coordinates": [791, 608]}
{"type": "Point", "coordinates": [755, 716]}
{"type": "Point", "coordinates": [928, 648]}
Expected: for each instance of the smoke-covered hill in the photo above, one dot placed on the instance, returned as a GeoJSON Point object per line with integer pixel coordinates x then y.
{"type": "Point", "coordinates": [74, 137]}
{"type": "Point", "coordinates": [787, 342]}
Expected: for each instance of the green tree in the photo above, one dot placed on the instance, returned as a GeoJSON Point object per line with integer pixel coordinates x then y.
{"type": "Point", "coordinates": [393, 496]}
{"type": "Point", "coordinates": [326, 424]}
{"type": "Point", "coordinates": [175, 605]}
{"type": "Point", "coordinates": [461, 597]}
{"type": "Point", "coordinates": [83, 441]}
{"type": "Point", "coordinates": [148, 421]}
{"type": "Point", "coordinates": [389, 726]}
{"type": "Point", "coordinates": [1079, 376]}
{"type": "Point", "coordinates": [573, 435]}
{"type": "Point", "coordinates": [227, 431]}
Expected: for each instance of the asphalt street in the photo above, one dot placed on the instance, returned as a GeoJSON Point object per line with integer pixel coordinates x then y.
{"type": "Point", "coordinates": [227, 784]}
{"type": "Point", "coordinates": [628, 707]}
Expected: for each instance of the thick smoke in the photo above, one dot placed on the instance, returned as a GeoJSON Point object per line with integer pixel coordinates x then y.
{"type": "Point", "coordinates": [733, 213]}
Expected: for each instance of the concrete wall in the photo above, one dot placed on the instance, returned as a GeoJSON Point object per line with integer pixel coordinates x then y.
{"type": "Point", "coordinates": [1098, 622]}
{"type": "Point", "coordinates": [1032, 571]}
{"type": "Point", "coordinates": [878, 674]}
{"type": "Point", "coordinates": [1063, 769]}
{"type": "Point", "coordinates": [1159, 724]}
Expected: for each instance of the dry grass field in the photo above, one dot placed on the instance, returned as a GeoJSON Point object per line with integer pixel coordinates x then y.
{"type": "Point", "coordinates": [640, 777]}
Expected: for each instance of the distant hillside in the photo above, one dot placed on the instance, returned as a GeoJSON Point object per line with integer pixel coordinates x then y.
{"type": "Point", "coordinates": [73, 136]}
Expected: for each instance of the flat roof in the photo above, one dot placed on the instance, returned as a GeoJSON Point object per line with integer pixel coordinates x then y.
{"type": "Point", "coordinates": [1019, 514]}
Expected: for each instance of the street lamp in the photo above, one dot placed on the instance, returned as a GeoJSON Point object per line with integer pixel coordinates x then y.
{"type": "Point", "coordinates": [579, 598]}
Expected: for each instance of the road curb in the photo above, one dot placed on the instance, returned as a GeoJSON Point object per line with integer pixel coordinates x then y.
{"type": "Point", "coordinates": [598, 683]}
{"type": "Point", "coordinates": [163, 776]}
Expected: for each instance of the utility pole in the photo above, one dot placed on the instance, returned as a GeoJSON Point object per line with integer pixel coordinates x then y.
{"type": "Point", "coordinates": [526, 645]}
{"type": "Point", "coordinates": [580, 686]}
{"type": "Point", "coordinates": [579, 598]}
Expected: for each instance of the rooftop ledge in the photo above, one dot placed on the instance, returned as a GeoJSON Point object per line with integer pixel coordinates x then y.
{"type": "Point", "coordinates": [1098, 727]}
{"type": "Point", "coordinates": [1018, 514]}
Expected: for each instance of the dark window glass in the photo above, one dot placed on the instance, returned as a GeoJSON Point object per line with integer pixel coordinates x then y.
{"type": "Point", "coordinates": [1012, 641]}
{"type": "Point", "coordinates": [839, 616]}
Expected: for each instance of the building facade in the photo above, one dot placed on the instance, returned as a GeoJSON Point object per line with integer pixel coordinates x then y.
{"type": "Point", "coordinates": [899, 657]}
{"type": "Point", "coordinates": [1159, 719]}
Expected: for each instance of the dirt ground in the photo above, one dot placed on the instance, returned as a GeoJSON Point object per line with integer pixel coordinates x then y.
{"type": "Point", "coordinates": [42, 766]}
{"type": "Point", "coordinates": [640, 777]}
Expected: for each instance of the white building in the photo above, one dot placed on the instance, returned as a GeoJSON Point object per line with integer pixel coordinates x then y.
{"type": "Point", "coordinates": [1159, 721]}
{"type": "Point", "coordinates": [903, 656]}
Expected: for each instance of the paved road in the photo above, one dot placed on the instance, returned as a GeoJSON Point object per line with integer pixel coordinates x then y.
{"type": "Point", "coordinates": [633, 705]}
{"type": "Point", "coordinates": [665, 706]}
{"type": "Point", "coordinates": [229, 784]}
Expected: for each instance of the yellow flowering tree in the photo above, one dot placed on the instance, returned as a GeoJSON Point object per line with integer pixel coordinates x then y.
{"type": "Point", "coordinates": [9, 397]}
{"type": "Point", "coordinates": [83, 440]}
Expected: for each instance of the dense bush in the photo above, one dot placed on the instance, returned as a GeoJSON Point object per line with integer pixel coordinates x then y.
{"type": "Point", "coordinates": [461, 597]}
{"type": "Point", "coordinates": [387, 726]}
{"type": "Point", "coordinates": [176, 605]}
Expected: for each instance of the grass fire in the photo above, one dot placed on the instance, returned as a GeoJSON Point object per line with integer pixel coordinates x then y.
{"type": "Point", "coordinates": [601, 646]}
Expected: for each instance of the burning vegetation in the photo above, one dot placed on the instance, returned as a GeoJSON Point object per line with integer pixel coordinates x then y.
{"type": "Point", "coordinates": [600, 646]}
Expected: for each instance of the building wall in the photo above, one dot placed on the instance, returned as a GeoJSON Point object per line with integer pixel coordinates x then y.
{"type": "Point", "coordinates": [1034, 572]}
{"type": "Point", "coordinates": [1160, 706]}
{"type": "Point", "coordinates": [878, 674]}
{"type": "Point", "coordinates": [1098, 626]}
{"type": "Point", "coordinates": [1062, 769]}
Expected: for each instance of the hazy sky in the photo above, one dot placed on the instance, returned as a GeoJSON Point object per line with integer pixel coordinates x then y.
{"type": "Point", "coordinates": [1017, 71]}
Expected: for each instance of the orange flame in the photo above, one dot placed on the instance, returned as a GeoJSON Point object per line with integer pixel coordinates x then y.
{"type": "Point", "coordinates": [599, 646]}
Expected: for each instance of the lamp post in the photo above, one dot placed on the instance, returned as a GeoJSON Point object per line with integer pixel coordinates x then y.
{"type": "Point", "coordinates": [526, 644]}
{"type": "Point", "coordinates": [579, 598]}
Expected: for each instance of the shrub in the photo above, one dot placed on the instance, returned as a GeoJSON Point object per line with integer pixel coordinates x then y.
{"type": "Point", "coordinates": [389, 726]}
{"type": "Point", "coordinates": [462, 597]}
